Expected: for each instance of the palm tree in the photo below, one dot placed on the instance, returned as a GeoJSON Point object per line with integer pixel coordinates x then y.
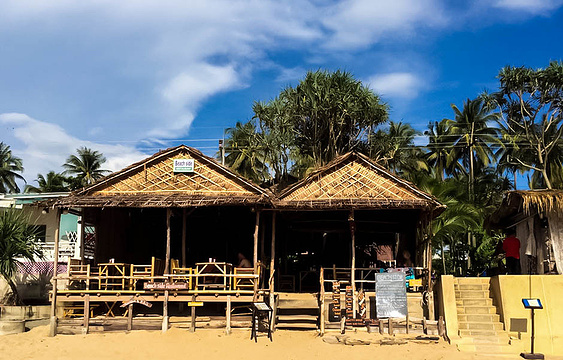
{"type": "Point", "coordinates": [53, 182]}
{"type": "Point", "coordinates": [395, 149]}
{"type": "Point", "coordinates": [245, 152]}
{"type": "Point", "coordinates": [440, 155]}
{"type": "Point", "coordinates": [86, 166]}
{"type": "Point", "coordinates": [17, 241]}
{"type": "Point", "coordinates": [475, 141]}
{"type": "Point", "coordinates": [9, 168]}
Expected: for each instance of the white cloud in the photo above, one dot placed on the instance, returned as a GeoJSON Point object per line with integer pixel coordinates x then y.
{"type": "Point", "coordinates": [359, 23]}
{"type": "Point", "coordinates": [396, 85]}
{"type": "Point", "coordinates": [44, 146]}
{"type": "Point", "coordinates": [186, 91]}
{"type": "Point", "coordinates": [529, 6]}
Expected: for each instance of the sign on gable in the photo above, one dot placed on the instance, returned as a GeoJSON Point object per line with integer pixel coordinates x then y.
{"type": "Point", "coordinates": [184, 165]}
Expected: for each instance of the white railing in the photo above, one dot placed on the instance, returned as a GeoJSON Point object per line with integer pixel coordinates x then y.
{"type": "Point", "coordinates": [66, 249]}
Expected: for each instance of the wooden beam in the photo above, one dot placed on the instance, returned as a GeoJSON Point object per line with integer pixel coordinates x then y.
{"type": "Point", "coordinates": [130, 317]}
{"type": "Point", "coordinates": [192, 325]}
{"type": "Point", "coordinates": [228, 316]}
{"type": "Point", "coordinates": [273, 268]}
{"type": "Point", "coordinates": [86, 327]}
{"type": "Point", "coordinates": [184, 237]}
{"type": "Point", "coordinates": [322, 317]}
{"type": "Point", "coordinates": [255, 255]}
{"type": "Point", "coordinates": [165, 312]}
{"type": "Point", "coordinates": [353, 260]}
{"type": "Point", "coordinates": [167, 265]}
{"type": "Point", "coordinates": [53, 322]}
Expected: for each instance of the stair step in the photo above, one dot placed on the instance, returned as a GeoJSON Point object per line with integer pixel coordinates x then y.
{"type": "Point", "coordinates": [502, 338]}
{"type": "Point", "coordinates": [470, 294]}
{"type": "Point", "coordinates": [474, 302]}
{"type": "Point", "coordinates": [472, 280]}
{"type": "Point", "coordinates": [462, 310]}
{"type": "Point", "coordinates": [481, 332]}
{"type": "Point", "coordinates": [478, 318]}
{"type": "Point", "coordinates": [297, 326]}
{"type": "Point", "coordinates": [297, 318]}
{"type": "Point", "coordinates": [488, 348]}
{"type": "Point", "coordinates": [480, 325]}
{"type": "Point", "coordinates": [462, 287]}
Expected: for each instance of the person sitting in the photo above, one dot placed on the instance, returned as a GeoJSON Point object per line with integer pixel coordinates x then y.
{"type": "Point", "coordinates": [511, 248]}
{"type": "Point", "coordinates": [243, 262]}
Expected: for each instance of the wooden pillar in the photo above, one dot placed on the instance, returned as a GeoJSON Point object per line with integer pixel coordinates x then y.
{"type": "Point", "coordinates": [130, 317]}
{"type": "Point", "coordinates": [255, 255]}
{"type": "Point", "coordinates": [322, 317]}
{"type": "Point", "coordinates": [228, 316]}
{"type": "Point", "coordinates": [273, 269]}
{"type": "Point", "coordinates": [184, 237]}
{"type": "Point", "coordinates": [165, 312]}
{"type": "Point", "coordinates": [429, 252]}
{"type": "Point", "coordinates": [82, 244]}
{"type": "Point", "coordinates": [167, 265]}
{"type": "Point", "coordinates": [192, 325]}
{"type": "Point", "coordinates": [53, 323]}
{"type": "Point", "coordinates": [352, 222]}
{"type": "Point", "coordinates": [262, 241]}
{"type": "Point", "coordinates": [86, 326]}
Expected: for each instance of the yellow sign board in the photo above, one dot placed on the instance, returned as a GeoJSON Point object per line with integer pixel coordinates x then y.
{"type": "Point", "coordinates": [195, 303]}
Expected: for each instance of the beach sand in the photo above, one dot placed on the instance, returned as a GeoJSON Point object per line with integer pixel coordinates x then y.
{"type": "Point", "coordinates": [208, 344]}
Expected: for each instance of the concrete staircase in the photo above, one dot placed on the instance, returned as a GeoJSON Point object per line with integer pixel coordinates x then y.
{"type": "Point", "coordinates": [479, 324]}
{"type": "Point", "coordinates": [297, 311]}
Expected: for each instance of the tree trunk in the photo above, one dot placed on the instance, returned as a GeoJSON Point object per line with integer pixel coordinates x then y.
{"type": "Point", "coordinates": [546, 178]}
{"type": "Point", "coordinates": [15, 295]}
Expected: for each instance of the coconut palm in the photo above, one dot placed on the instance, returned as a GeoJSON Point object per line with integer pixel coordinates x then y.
{"type": "Point", "coordinates": [53, 182]}
{"type": "Point", "coordinates": [245, 152]}
{"type": "Point", "coordinates": [440, 155]}
{"type": "Point", "coordinates": [17, 241]}
{"type": "Point", "coordinates": [395, 149]}
{"type": "Point", "coordinates": [475, 141]}
{"type": "Point", "coordinates": [85, 166]}
{"type": "Point", "coordinates": [10, 166]}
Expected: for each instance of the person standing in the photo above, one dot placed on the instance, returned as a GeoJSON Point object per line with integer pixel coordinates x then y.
{"type": "Point", "coordinates": [511, 249]}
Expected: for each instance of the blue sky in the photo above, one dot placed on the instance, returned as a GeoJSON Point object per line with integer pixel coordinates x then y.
{"type": "Point", "coordinates": [131, 77]}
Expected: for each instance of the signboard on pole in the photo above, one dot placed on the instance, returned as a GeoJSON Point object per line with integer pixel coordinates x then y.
{"type": "Point", "coordinates": [391, 295]}
{"type": "Point", "coordinates": [184, 165]}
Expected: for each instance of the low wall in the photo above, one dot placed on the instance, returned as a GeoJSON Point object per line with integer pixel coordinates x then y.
{"type": "Point", "coordinates": [32, 312]}
{"type": "Point", "coordinates": [444, 291]}
{"type": "Point", "coordinates": [549, 321]}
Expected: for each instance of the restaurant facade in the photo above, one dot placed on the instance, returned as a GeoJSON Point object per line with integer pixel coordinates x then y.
{"type": "Point", "coordinates": [174, 231]}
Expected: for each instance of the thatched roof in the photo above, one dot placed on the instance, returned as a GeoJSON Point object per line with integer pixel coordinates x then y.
{"type": "Point", "coordinates": [519, 204]}
{"type": "Point", "coordinates": [354, 181]}
{"type": "Point", "coordinates": [153, 183]}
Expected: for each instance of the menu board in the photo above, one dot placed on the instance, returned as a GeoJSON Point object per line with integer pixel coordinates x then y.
{"type": "Point", "coordinates": [390, 295]}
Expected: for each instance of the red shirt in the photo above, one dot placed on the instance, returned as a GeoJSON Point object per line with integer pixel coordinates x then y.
{"type": "Point", "coordinates": [511, 247]}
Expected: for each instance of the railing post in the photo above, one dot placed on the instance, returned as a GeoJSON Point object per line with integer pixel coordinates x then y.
{"type": "Point", "coordinates": [322, 292]}
{"type": "Point", "coordinates": [54, 320]}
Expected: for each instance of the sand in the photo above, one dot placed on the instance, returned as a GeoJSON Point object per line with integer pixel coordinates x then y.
{"type": "Point", "coordinates": [208, 344]}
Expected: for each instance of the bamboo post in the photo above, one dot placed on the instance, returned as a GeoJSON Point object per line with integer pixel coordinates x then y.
{"type": "Point", "coordinates": [390, 326]}
{"type": "Point", "coordinates": [272, 269]}
{"type": "Point", "coordinates": [130, 317]}
{"type": "Point", "coordinates": [86, 327]}
{"type": "Point", "coordinates": [322, 319]}
{"type": "Point", "coordinates": [53, 323]}
{"type": "Point", "coordinates": [228, 315]}
{"type": "Point", "coordinates": [255, 255]}
{"type": "Point", "coordinates": [165, 312]}
{"type": "Point", "coordinates": [82, 240]}
{"type": "Point", "coordinates": [184, 237]}
{"type": "Point", "coordinates": [407, 323]}
{"type": "Point", "coordinates": [353, 261]}
{"type": "Point", "coordinates": [192, 325]}
{"type": "Point", "coordinates": [167, 265]}
{"type": "Point", "coordinates": [429, 247]}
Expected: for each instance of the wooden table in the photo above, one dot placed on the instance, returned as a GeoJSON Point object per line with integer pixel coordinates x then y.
{"type": "Point", "coordinates": [213, 275]}
{"type": "Point", "coordinates": [113, 276]}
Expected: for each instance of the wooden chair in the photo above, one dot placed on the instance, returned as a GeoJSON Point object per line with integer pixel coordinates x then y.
{"type": "Point", "coordinates": [77, 274]}
{"type": "Point", "coordinates": [245, 283]}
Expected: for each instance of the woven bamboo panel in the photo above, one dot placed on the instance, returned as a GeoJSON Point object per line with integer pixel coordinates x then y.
{"type": "Point", "coordinates": [158, 177]}
{"type": "Point", "coordinates": [352, 181]}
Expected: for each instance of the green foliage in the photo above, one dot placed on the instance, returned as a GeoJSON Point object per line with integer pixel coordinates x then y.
{"type": "Point", "coordinates": [246, 152]}
{"type": "Point", "coordinates": [86, 167]}
{"type": "Point", "coordinates": [10, 166]}
{"type": "Point", "coordinates": [17, 241]}
{"type": "Point", "coordinates": [53, 182]}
